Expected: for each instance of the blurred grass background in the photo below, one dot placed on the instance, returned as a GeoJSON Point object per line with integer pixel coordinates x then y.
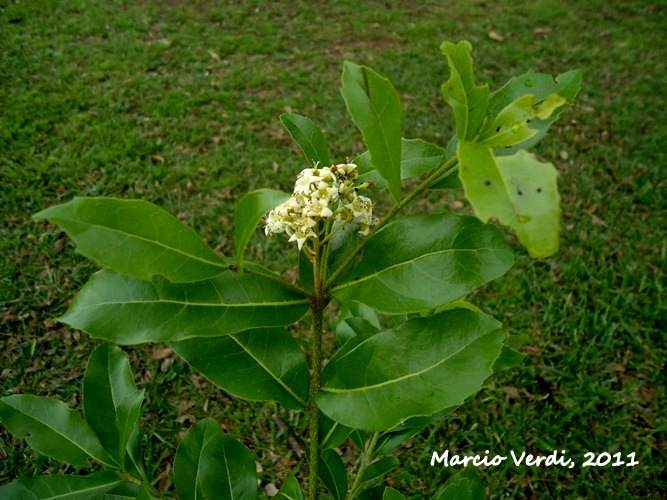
{"type": "Point", "coordinates": [177, 103]}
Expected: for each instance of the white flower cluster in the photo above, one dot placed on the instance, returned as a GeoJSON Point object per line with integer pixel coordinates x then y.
{"type": "Point", "coordinates": [322, 194]}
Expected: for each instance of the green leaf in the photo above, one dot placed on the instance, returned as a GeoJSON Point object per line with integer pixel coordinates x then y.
{"type": "Point", "coordinates": [333, 473]}
{"type": "Point", "coordinates": [291, 490]}
{"type": "Point", "coordinates": [518, 190]}
{"type": "Point", "coordinates": [512, 126]}
{"type": "Point", "coordinates": [379, 468]}
{"type": "Point", "coordinates": [541, 86]}
{"type": "Point", "coordinates": [53, 429]}
{"type": "Point", "coordinates": [417, 158]}
{"type": "Point", "coordinates": [468, 101]}
{"type": "Point", "coordinates": [62, 487]}
{"type": "Point", "coordinates": [249, 212]}
{"type": "Point", "coordinates": [125, 310]}
{"type": "Point", "coordinates": [135, 238]}
{"type": "Point", "coordinates": [466, 485]}
{"type": "Point", "coordinates": [423, 262]}
{"type": "Point", "coordinates": [418, 368]}
{"type": "Point", "coordinates": [395, 437]}
{"type": "Point", "coordinates": [257, 365]}
{"type": "Point", "coordinates": [381, 493]}
{"type": "Point", "coordinates": [134, 462]}
{"type": "Point", "coordinates": [376, 110]}
{"type": "Point", "coordinates": [354, 319]}
{"type": "Point", "coordinates": [392, 494]}
{"type": "Point", "coordinates": [332, 434]}
{"type": "Point", "coordinates": [509, 358]}
{"type": "Point", "coordinates": [228, 470]}
{"type": "Point", "coordinates": [110, 395]}
{"type": "Point", "coordinates": [189, 458]}
{"type": "Point", "coordinates": [309, 137]}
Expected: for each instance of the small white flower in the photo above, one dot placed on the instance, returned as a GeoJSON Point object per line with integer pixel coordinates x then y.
{"type": "Point", "coordinates": [320, 194]}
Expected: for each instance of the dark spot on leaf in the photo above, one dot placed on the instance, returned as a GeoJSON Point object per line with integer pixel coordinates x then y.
{"type": "Point", "coordinates": [539, 190]}
{"type": "Point", "coordinates": [487, 183]}
{"type": "Point", "coordinates": [498, 129]}
{"type": "Point", "coordinates": [519, 192]}
{"type": "Point", "coordinates": [528, 120]}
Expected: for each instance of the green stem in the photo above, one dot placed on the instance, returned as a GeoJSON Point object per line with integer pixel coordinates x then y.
{"type": "Point", "coordinates": [423, 186]}
{"type": "Point", "coordinates": [318, 304]}
{"type": "Point", "coordinates": [363, 465]}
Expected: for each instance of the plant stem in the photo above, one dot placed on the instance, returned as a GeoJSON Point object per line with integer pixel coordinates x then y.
{"type": "Point", "coordinates": [318, 303]}
{"type": "Point", "coordinates": [423, 186]}
{"type": "Point", "coordinates": [363, 465]}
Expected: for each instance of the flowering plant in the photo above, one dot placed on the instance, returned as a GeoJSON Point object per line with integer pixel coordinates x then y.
{"type": "Point", "coordinates": [410, 350]}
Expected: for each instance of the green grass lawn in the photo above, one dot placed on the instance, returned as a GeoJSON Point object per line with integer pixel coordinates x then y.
{"type": "Point", "coordinates": [177, 103]}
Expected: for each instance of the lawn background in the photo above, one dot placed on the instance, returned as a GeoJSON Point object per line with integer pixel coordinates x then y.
{"type": "Point", "coordinates": [177, 103]}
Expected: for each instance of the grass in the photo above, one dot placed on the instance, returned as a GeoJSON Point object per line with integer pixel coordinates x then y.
{"type": "Point", "coordinates": [178, 103]}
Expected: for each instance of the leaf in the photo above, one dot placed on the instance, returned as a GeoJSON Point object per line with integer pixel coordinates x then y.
{"type": "Point", "coordinates": [309, 137]}
{"type": "Point", "coordinates": [110, 395]}
{"type": "Point", "coordinates": [468, 101]}
{"type": "Point", "coordinates": [333, 473]}
{"type": "Point", "coordinates": [509, 358]}
{"type": "Point", "coordinates": [466, 485]}
{"type": "Point", "coordinates": [189, 457]}
{"type": "Point", "coordinates": [540, 85]}
{"type": "Point", "coordinates": [381, 493]}
{"type": "Point", "coordinates": [418, 368]}
{"type": "Point", "coordinates": [376, 110]}
{"type": "Point", "coordinates": [392, 494]}
{"type": "Point", "coordinates": [423, 262]}
{"type": "Point", "coordinates": [133, 459]}
{"type": "Point", "coordinates": [135, 238]}
{"type": "Point", "coordinates": [417, 158]}
{"type": "Point", "coordinates": [256, 365]}
{"type": "Point", "coordinates": [62, 487]}
{"type": "Point", "coordinates": [53, 429]}
{"type": "Point", "coordinates": [354, 319]}
{"type": "Point", "coordinates": [249, 212]}
{"type": "Point", "coordinates": [379, 468]}
{"type": "Point", "coordinates": [124, 310]}
{"type": "Point", "coordinates": [332, 434]}
{"type": "Point", "coordinates": [512, 126]}
{"type": "Point", "coordinates": [291, 490]}
{"type": "Point", "coordinates": [228, 470]}
{"type": "Point", "coordinates": [395, 437]}
{"type": "Point", "coordinates": [518, 190]}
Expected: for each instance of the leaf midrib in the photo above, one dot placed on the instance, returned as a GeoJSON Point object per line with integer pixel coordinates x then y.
{"type": "Point", "coordinates": [198, 304]}
{"type": "Point", "coordinates": [56, 431]}
{"type": "Point", "coordinates": [405, 262]}
{"type": "Point", "coordinates": [266, 368]}
{"type": "Point", "coordinates": [404, 377]}
{"type": "Point", "coordinates": [157, 243]}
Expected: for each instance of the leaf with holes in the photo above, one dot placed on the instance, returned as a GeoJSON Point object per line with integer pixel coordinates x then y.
{"type": "Point", "coordinates": [518, 190]}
